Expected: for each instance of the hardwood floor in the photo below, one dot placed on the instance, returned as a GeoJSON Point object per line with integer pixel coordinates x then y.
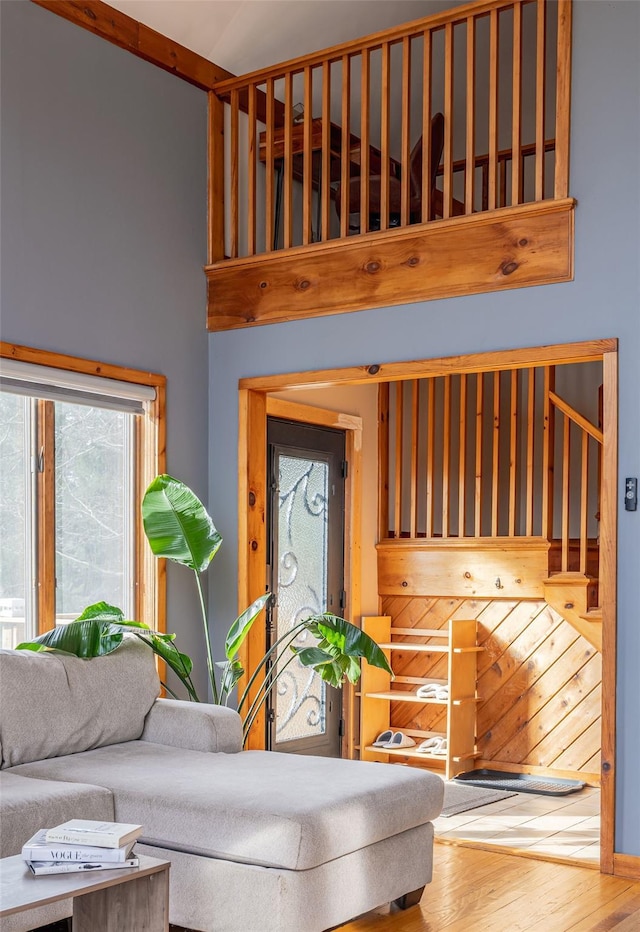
{"type": "Point", "coordinates": [482, 891]}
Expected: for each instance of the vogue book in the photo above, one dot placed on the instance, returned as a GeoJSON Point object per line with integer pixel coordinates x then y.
{"type": "Point", "coordinates": [37, 849]}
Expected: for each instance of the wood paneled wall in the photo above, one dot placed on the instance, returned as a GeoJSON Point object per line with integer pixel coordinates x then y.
{"type": "Point", "coordinates": [539, 683]}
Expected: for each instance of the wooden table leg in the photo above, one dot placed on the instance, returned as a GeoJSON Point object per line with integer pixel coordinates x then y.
{"type": "Point", "coordinates": [138, 905]}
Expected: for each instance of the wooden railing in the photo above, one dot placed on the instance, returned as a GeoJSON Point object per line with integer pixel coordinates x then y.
{"type": "Point", "coordinates": [493, 454]}
{"type": "Point", "coordinates": [295, 146]}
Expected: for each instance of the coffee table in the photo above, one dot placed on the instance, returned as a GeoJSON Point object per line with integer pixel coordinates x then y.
{"type": "Point", "coordinates": [133, 898]}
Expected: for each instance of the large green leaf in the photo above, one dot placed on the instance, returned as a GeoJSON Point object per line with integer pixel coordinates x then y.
{"type": "Point", "coordinates": [102, 611]}
{"type": "Point", "coordinates": [178, 525]}
{"type": "Point", "coordinates": [88, 638]}
{"type": "Point", "coordinates": [242, 625]}
{"type": "Point", "coordinates": [347, 639]}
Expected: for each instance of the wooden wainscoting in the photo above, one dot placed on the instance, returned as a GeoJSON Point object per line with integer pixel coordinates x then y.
{"type": "Point", "coordinates": [539, 683]}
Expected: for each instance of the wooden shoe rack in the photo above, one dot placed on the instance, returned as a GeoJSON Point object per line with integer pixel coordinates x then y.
{"type": "Point", "coordinates": [446, 656]}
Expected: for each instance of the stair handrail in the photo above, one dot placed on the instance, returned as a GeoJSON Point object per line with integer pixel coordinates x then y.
{"type": "Point", "coordinates": [579, 419]}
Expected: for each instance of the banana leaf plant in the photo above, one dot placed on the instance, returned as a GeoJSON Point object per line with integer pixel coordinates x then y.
{"type": "Point", "coordinates": [179, 528]}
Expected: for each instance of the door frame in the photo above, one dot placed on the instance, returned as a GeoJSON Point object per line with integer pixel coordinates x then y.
{"type": "Point", "coordinates": [255, 403]}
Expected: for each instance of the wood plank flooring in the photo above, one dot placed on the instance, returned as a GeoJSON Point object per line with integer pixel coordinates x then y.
{"type": "Point", "coordinates": [557, 827]}
{"type": "Point", "coordinates": [483, 891]}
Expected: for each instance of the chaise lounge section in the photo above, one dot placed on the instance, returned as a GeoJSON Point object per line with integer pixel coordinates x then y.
{"type": "Point", "coordinates": [258, 841]}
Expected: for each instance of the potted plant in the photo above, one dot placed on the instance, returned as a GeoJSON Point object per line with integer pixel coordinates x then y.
{"type": "Point", "coordinates": [179, 528]}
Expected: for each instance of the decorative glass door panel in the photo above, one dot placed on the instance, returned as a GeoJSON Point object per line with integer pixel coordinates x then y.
{"type": "Point", "coordinates": [306, 542]}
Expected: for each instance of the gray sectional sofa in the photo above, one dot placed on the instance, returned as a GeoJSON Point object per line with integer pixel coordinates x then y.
{"type": "Point", "coordinates": [258, 841]}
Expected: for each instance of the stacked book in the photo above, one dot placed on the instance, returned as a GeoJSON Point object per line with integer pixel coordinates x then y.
{"type": "Point", "coordinates": [82, 845]}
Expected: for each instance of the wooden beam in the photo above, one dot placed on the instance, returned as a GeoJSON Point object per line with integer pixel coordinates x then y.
{"type": "Point", "coordinates": [509, 248]}
{"type": "Point", "coordinates": [494, 361]}
{"type": "Point", "coordinates": [127, 33]}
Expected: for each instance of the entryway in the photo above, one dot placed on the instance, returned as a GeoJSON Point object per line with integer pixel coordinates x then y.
{"type": "Point", "coordinates": [257, 399]}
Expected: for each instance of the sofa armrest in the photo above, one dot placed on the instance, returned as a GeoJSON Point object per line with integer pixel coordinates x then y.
{"type": "Point", "coordinates": [196, 726]}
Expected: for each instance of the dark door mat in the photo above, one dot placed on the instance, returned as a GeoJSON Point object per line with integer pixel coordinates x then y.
{"type": "Point", "coordinates": [520, 782]}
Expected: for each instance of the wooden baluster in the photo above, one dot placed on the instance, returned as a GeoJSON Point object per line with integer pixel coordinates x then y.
{"type": "Point", "coordinates": [365, 93]}
{"type": "Point", "coordinates": [251, 180]}
{"type": "Point", "coordinates": [288, 161]}
{"type": "Point", "coordinates": [344, 148]}
{"type": "Point", "coordinates": [517, 188]}
{"type": "Point", "coordinates": [397, 505]}
{"type": "Point", "coordinates": [531, 411]}
{"type": "Point", "coordinates": [415, 426]}
{"type": "Point", "coordinates": [566, 441]}
{"type": "Point", "coordinates": [325, 186]}
{"type": "Point", "coordinates": [469, 171]}
{"type": "Point", "coordinates": [215, 206]}
{"type": "Point", "coordinates": [584, 502]}
{"type": "Point", "coordinates": [385, 105]}
{"type": "Point", "coordinates": [513, 453]}
{"type": "Point", "coordinates": [502, 172]}
{"type": "Point", "coordinates": [269, 219]}
{"type": "Point", "coordinates": [447, 197]}
{"type": "Point", "coordinates": [234, 218]}
{"type": "Point", "coordinates": [383, 460]}
{"type": "Point", "coordinates": [540, 95]}
{"type": "Point", "coordinates": [462, 456]}
{"type": "Point", "coordinates": [548, 415]}
{"type": "Point", "coordinates": [307, 170]}
{"type": "Point", "coordinates": [405, 139]}
{"type": "Point", "coordinates": [431, 421]}
{"type": "Point", "coordinates": [479, 430]}
{"type": "Point", "coordinates": [563, 99]}
{"type": "Point", "coordinates": [493, 110]}
{"type": "Point", "coordinates": [446, 452]}
{"type": "Point", "coordinates": [495, 479]}
{"type": "Point", "coordinates": [426, 127]}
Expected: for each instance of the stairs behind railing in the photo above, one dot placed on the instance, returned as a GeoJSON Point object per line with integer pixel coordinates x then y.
{"type": "Point", "coordinates": [497, 455]}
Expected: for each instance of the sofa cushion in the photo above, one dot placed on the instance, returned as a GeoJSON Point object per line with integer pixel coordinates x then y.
{"type": "Point", "coordinates": [260, 807]}
{"type": "Point", "coordinates": [29, 805]}
{"type": "Point", "coordinates": [54, 704]}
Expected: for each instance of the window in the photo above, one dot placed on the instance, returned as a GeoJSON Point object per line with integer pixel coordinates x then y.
{"type": "Point", "coordinates": [76, 452]}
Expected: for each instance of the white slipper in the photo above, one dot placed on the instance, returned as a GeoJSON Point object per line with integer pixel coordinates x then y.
{"type": "Point", "coordinates": [430, 745]}
{"type": "Point", "coordinates": [383, 738]}
{"type": "Point", "coordinates": [441, 749]}
{"type": "Point", "coordinates": [400, 740]}
{"type": "Point", "coordinates": [427, 691]}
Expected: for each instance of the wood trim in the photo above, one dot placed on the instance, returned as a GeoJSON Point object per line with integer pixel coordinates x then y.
{"type": "Point", "coordinates": [523, 358]}
{"type": "Point", "coordinates": [607, 591]}
{"type": "Point", "coordinates": [563, 98]}
{"type": "Point", "coordinates": [150, 599]}
{"type": "Point", "coordinates": [254, 408]}
{"type": "Point", "coordinates": [127, 33]}
{"type": "Point", "coordinates": [46, 518]}
{"type": "Point", "coordinates": [626, 865]}
{"type": "Point", "coordinates": [252, 539]}
{"type": "Point", "coordinates": [507, 248]}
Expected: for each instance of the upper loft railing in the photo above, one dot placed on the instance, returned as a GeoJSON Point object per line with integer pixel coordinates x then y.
{"type": "Point", "coordinates": [326, 146]}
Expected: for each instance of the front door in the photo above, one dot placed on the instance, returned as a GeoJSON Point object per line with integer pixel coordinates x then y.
{"type": "Point", "coordinates": [306, 561]}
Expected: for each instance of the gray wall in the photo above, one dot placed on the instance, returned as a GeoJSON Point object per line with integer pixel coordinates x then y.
{"type": "Point", "coordinates": [104, 226]}
{"type": "Point", "coordinates": [602, 302]}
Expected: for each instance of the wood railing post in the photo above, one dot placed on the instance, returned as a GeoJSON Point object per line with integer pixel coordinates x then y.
{"type": "Point", "coordinates": [215, 204]}
{"type": "Point", "coordinates": [563, 99]}
{"type": "Point", "coordinates": [566, 490]}
{"type": "Point", "coordinates": [548, 439]}
{"type": "Point", "coordinates": [397, 503]}
{"type": "Point", "coordinates": [383, 460]}
{"type": "Point", "coordinates": [234, 183]}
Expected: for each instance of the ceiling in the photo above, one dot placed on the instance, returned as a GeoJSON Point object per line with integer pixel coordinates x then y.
{"type": "Point", "coordinates": [245, 35]}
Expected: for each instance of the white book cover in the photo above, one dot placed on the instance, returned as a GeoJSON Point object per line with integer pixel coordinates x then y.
{"type": "Point", "coordinates": [96, 834]}
{"type": "Point", "coordinates": [38, 849]}
{"type": "Point", "coordinates": [75, 867]}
